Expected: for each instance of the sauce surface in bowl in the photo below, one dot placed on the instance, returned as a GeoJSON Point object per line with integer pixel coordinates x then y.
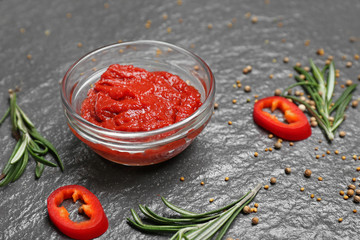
{"type": "Point", "coordinates": [127, 98]}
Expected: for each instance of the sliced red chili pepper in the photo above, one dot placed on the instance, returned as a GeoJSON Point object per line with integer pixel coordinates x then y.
{"type": "Point", "coordinates": [89, 229]}
{"type": "Point", "coordinates": [297, 128]}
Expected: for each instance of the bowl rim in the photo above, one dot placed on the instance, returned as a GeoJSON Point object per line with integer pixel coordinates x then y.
{"type": "Point", "coordinates": [162, 130]}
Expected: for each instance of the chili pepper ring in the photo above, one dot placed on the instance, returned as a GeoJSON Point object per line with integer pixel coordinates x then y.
{"type": "Point", "coordinates": [89, 229]}
{"type": "Point", "coordinates": [297, 126]}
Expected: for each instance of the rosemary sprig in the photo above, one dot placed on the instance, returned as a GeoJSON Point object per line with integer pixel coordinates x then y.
{"type": "Point", "coordinates": [192, 226]}
{"type": "Point", "coordinates": [320, 86]}
{"type": "Point", "coordinates": [30, 142]}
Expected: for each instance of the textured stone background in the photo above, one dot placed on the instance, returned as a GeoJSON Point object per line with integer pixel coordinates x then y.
{"type": "Point", "coordinates": [221, 150]}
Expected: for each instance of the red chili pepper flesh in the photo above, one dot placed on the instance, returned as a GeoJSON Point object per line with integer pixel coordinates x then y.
{"type": "Point", "coordinates": [89, 229]}
{"type": "Point", "coordinates": [297, 126]}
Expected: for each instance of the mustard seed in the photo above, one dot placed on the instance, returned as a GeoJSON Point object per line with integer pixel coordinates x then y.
{"type": "Point", "coordinates": [355, 103]}
{"type": "Point", "coordinates": [291, 143]}
{"type": "Point", "coordinates": [270, 149]}
{"type": "Point", "coordinates": [354, 211]}
{"type": "Point", "coordinates": [182, 179]}
{"type": "Point", "coordinates": [256, 205]}
{"type": "Point", "coordinates": [286, 60]}
{"type": "Point", "coordinates": [255, 220]}
{"type": "Point", "coordinates": [340, 219]}
{"type": "Point", "coordinates": [307, 43]}
{"type": "Point", "coordinates": [29, 56]}
{"type": "Point", "coordinates": [271, 136]}
{"type": "Point", "coordinates": [302, 189]}
{"type": "Point", "coordinates": [255, 210]}
{"type": "Point", "coordinates": [354, 179]}
{"type": "Point", "coordinates": [226, 178]}
{"type": "Point", "coordinates": [342, 134]}
{"type": "Point", "coordinates": [318, 199]}
{"type": "Point", "coordinates": [202, 183]}
{"type": "Point", "coordinates": [254, 19]}
{"type": "Point", "coordinates": [356, 57]}
{"type": "Point", "coordinates": [343, 157]}
{"type": "Point", "coordinates": [336, 152]}
{"type": "Point", "coordinates": [348, 64]}
{"type": "Point", "coordinates": [216, 105]}
{"type": "Point", "coordinates": [256, 154]}
{"type": "Point", "coordinates": [266, 187]}
{"type": "Point", "coordinates": [272, 180]}
{"type": "Point", "coordinates": [307, 69]}
{"type": "Point", "coordinates": [234, 101]}
{"type": "Point", "coordinates": [312, 195]}
{"type": "Point", "coordinates": [358, 169]}
{"type": "Point", "coordinates": [229, 122]}
{"type": "Point", "coordinates": [307, 173]}
{"type": "Point", "coordinates": [341, 193]}
{"type": "Point", "coordinates": [277, 92]}
{"type": "Point", "coordinates": [211, 200]}
{"type": "Point", "coordinates": [287, 170]}
{"type": "Point", "coordinates": [210, 26]}
{"type": "Point", "coordinates": [320, 178]}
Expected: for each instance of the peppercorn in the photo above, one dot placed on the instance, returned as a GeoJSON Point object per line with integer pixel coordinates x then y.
{"type": "Point", "coordinates": [350, 193]}
{"type": "Point", "coordinates": [278, 145]}
{"type": "Point", "coordinates": [272, 180]}
{"type": "Point", "coordinates": [266, 187]}
{"type": "Point", "coordinates": [255, 221]}
{"type": "Point", "coordinates": [307, 173]}
{"type": "Point", "coordinates": [357, 199]}
{"type": "Point", "coordinates": [246, 210]}
{"type": "Point", "coordinates": [287, 170]}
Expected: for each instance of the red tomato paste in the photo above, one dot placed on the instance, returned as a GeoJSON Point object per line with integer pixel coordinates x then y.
{"type": "Point", "coordinates": [127, 98]}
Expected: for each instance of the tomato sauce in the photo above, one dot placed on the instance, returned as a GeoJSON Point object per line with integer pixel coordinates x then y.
{"type": "Point", "coordinates": [128, 98]}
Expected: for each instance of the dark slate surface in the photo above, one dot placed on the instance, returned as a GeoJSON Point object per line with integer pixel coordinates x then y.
{"type": "Point", "coordinates": [221, 150]}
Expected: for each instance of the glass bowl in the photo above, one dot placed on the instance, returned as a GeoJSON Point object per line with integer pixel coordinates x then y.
{"type": "Point", "coordinates": [138, 148]}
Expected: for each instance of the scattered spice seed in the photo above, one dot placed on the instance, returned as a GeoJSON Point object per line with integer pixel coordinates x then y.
{"type": "Point", "coordinates": [29, 56]}
{"type": "Point", "coordinates": [271, 136]}
{"type": "Point", "coordinates": [320, 178]}
{"type": "Point", "coordinates": [357, 192]}
{"type": "Point", "coordinates": [68, 15]}
{"type": "Point", "coordinates": [22, 30]}
{"type": "Point", "coordinates": [349, 82]}
{"type": "Point", "coordinates": [216, 105]}
{"type": "Point", "coordinates": [354, 179]}
{"type": "Point", "coordinates": [254, 19]}
{"type": "Point", "coordinates": [340, 219]}
{"type": "Point", "coordinates": [302, 189]}
{"type": "Point", "coordinates": [256, 205]}
{"type": "Point", "coordinates": [256, 154]}
{"type": "Point", "coordinates": [350, 193]}
{"type": "Point", "coordinates": [277, 92]}
{"type": "Point", "coordinates": [336, 152]}
{"type": "Point", "coordinates": [234, 101]}
{"type": "Point", "coordinates": [179, 2]}
{"type": "Point", "coordinates": [343, 157]}
{"type": "Point", "coordinates": [341, 193]}
{"type": "Point", "coordinates": [255, 210]}
{"type": "Point", "coordinates": [312, 195]}
{"type": "Point", "coordinates": [247, 88]}
{"type": "Point", "coordinates": [357, 199]}
{"type": "Point", "coordinates": [266, 149]}
{"type": "Point", "coordinates": [169, 29]}
{"type": "Point", "coordinates": [211, 200]}
{"type": "Point", "coordinates": [343, 57]}
{"type": "Point", "coordinates": [354, 157]}
{"type": "Point", "coordinates": [271, 76]}
{"type": "Point", "coordinates": [287, 170]}
{"type": "Point", "coordinates": [209, 26]}
{"type": "Point", "coordinates": [328, 152]}
{"type": "Point", "coordinates": [79, 45]}
{"type": "Point", "coordinates": [182, 179]}
{"type": "Point", "coordinates": [291, 143]}
{"type": "Point", "coordinates": [270, 149]}
{"type": "Point", "coordinates": [348, 64]}
{"type": "Point", "coordinates": [352, 186]}
{"type": "Point", "coordinates": [320, 52]}
{"type": "Point", "coordinates": [255, 220]}
{"type": "Point", "coordinates": [202, 183]}
{"type": "Point", "coordinates": [106, 5]}
{"type": "Point", "coordinates": [318, 199]}
{"type": "Point", "coordinates": [307, 173]}
{"type": "Point", "coordinates": [355, 103]}
{"type": "Point", "coordinates": [307, 43]}
{"type": "Point", "coordinates": [358, 169]}
{"type": "Point", "coordinates": [230, 122]}
{"type": "Point", "coordinates": [278, 145]}
{"type": "Point", "coordinates": [272, 180]}
{"type": "Point", "coordinates": [226, 178]}
{"type": "Point", "coordinates": [307, 69]}
{"type": "Point", "coordinates": [246, 210]}
{"type": "Point", "coordinates": [356, 57]}
{"type": "Point", "coordinates": [286, 60]}
{"type": "Point", "coordinates": [165, 16]}
{"type": "Point", "coordinates": [346, 197]}
{"type": "Point", "coordinates": [354, 211]}
{"type": "Point", "coordinates": [266, 187]}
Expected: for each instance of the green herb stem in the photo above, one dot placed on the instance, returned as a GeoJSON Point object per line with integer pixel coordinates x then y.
{"type": "Point", "coordinates": [187, 226]}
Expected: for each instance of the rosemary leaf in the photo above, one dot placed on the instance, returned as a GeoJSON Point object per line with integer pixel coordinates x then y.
{"type": "Point", "coordinates": [23, 166]}
{"type": "Point", "coordinates": [330, 83]}
{"type": "Point", "coordinates": [5, 116]}
{"type": "Point", "coordinates": [39, 169]}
